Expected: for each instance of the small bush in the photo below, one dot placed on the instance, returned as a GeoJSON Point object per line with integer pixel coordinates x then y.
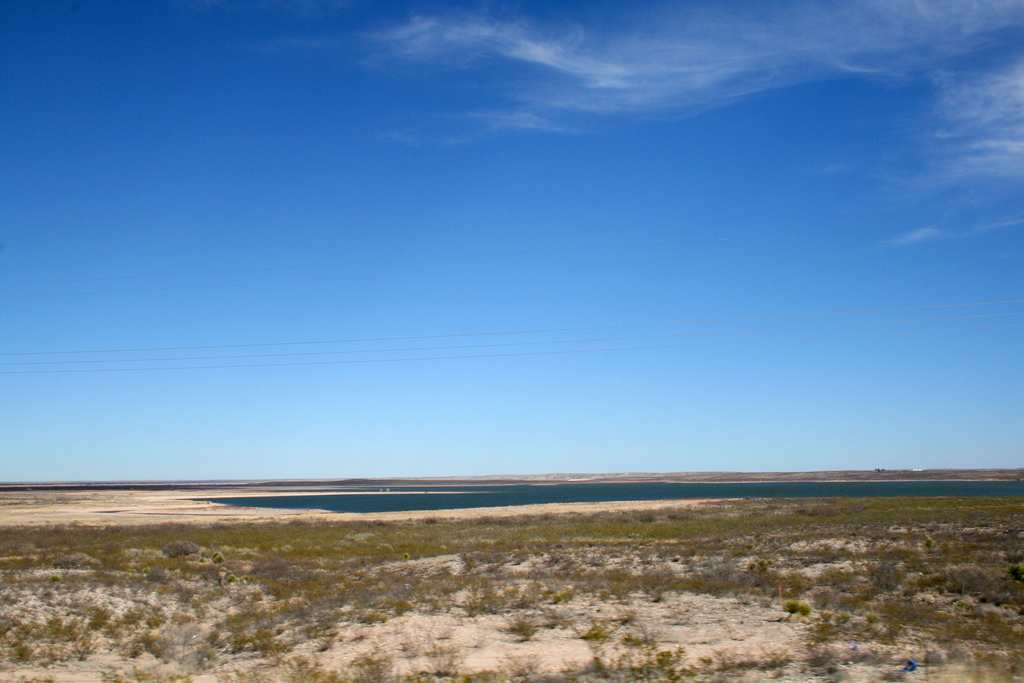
{"type": "Point", "coordinates": [181, 549]}
{"type": "Point", "coordinates": [550, 618]}
{"type": "Point", "coordinates": [797, 607]}
{"type": "Point", "coordinates": [83, 646]}
{"type": "Point", "coordinates": [521, 669]}
{"type": "Point", "coordinates": [141, 643]}
{"type": "Point", "coordinates": [372, 667]}
{"type": "Point", "coordinates": [647, 664]}
{"type": "Point", "coordinates": [75, 561]}
{"type": "Point", "coordinates": [597, 633]}
{"type": "Point", "coordinates": [1017, 572]}
{"type": "Point", "coordinates": [261, 640]}
{"type": "Point", "coordinates": [823, 659]}
{"type": "Point", "coordinates": [561, 596]}
{"type": "Point", "coordinates": [99, 617]}
{"type": "Point", "coordinates": [305, 671]}
{"type": "Point", "coordinates": [277, 568]}
{"type": "Point", "coordinates": [445, 660]}
{"type": "Point", "coordinates": [886, 577]}
{"type": "Point", "coordinates": [973, 580]}
{"type": "Point", "coordinates": [157, 575]}
{"type": "Point", "coordinates": [522, 628]}
{"type": "Point", "coordinates": [21, 652]}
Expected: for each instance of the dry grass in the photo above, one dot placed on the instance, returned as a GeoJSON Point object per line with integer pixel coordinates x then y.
{"type": "Point", "coordinates": [899, 577]}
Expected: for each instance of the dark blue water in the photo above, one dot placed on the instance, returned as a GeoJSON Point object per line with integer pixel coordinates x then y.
{"type": "Point", "coordinates": [443, 498]}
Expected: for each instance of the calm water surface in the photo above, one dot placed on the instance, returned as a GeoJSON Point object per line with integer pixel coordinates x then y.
{"type": "Point", "coordinates": [402, 499]}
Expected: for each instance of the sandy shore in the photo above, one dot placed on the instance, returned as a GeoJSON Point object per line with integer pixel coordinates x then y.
{"type": "Point", "coordinates": [153, 507]}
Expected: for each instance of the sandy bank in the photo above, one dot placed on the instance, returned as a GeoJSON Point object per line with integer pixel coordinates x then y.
{"type": "Point", "coordinates": [153, 507]}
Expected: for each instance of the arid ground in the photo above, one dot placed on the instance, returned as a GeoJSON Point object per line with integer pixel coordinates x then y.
{"type": "Point", "coordinates": [146, 587]}
{"type": "Point", "coordinates": [119, 507]}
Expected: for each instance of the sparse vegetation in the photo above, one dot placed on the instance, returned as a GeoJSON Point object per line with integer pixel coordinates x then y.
{"type": "Point", "coordinates": [797, 607]}
{"type": "Point", "coordinates": [898, 577]}
{"type": "Point", "coordinates": [523, 628]}
{"type": "Point", "coordinates": [181, 549]}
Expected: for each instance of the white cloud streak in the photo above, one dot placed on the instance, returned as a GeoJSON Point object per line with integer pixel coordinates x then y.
{"type": "Point", "coordinates": [689, 60]}
{"type": "Point", "coordinates": [517, 120]}
{"type": "Point", "coordinates": [918, 236]}
{"type": "Point", "coordinates": [931, 234]}
{"type": "Point", "coordinates": [999, 225]}
{"type": "Point", "coordinates": [693, 59]}
{"type": "Point", "coordinates": [985, 121]}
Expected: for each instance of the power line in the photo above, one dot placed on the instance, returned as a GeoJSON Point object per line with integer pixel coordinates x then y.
{"type": "Point", "coordinates": [325, 362]}
{"type": "Point", "coordinates": [197, 347]}
{"type": "Point", "coordinates": [298, 354]}
{"type": "Point", "coordinates": [644, 346]}
{"type": "Point", "coordinates": [293, 354]}
{"type": "Point", "coordinates": [482, 333]}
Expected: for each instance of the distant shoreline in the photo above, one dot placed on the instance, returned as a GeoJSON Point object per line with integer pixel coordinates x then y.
{"type": "Point", "coordinates": [102, 505]}
{"type": "Point", "coordinates": [823, 476]}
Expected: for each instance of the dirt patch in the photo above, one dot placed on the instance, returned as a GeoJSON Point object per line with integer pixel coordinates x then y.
{"type": "Point", "coordinates": [199, 506]}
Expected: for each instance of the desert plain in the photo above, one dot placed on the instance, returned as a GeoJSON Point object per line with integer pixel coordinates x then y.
{"type": "Point", "coordinates": [162, 585]}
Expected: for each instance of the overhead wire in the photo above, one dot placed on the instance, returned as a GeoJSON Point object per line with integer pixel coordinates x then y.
{"type": "Point", "coordinates": [483, 333]}
{"type": "Point", "coordinates": [362, 361]}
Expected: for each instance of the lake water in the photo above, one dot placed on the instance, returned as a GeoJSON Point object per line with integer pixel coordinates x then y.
{"type": "Point", "coordinates": [400, 499]}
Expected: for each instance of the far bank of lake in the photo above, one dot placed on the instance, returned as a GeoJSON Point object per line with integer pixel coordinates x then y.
{"type": "Point", "coordinates": [416, 498]}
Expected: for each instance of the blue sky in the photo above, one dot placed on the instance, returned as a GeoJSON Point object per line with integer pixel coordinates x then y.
{"type": "Point", "coordinates": [527, 237]}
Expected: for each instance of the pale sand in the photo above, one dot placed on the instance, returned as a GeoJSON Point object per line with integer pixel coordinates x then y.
{"type": "Point", "coordinates": [114, 508]}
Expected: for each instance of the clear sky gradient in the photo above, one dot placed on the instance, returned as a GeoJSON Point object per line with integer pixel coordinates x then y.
{"type": "Point", "coordinates": [565, 237]}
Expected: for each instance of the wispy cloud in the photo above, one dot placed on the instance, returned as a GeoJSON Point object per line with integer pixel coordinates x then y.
{"type": "Point", "coordinates": [408, 137]}
{"type": "Point", "coordinates": [439, 130]}
{"type": "Point", "coordinates": [918, 236]}
{"type": "Point", "coordinates": [931, 234]}
{"type": "Point", "coordinates": [998, 225]}
{"type": "Point", "coordinates": [291, 44]}
{"type": "Point", "coordinates": [985, 121]}
{"type": "Point", "coordinates": [696, 59]}
{"type": "Point", "coordinates": [517, 120]}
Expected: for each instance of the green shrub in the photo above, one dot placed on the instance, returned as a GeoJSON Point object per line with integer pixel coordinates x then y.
{"type": "Point", "coordinates": [22, 652]}
{"type": "Point", "coordinates": [797, 607]}
{"type": "Point", "coordinates": [99, 617]}
{"type": "Point", "coordinates": [597, 633]}
{"type": "Point", "coordinates": [261, 641]}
